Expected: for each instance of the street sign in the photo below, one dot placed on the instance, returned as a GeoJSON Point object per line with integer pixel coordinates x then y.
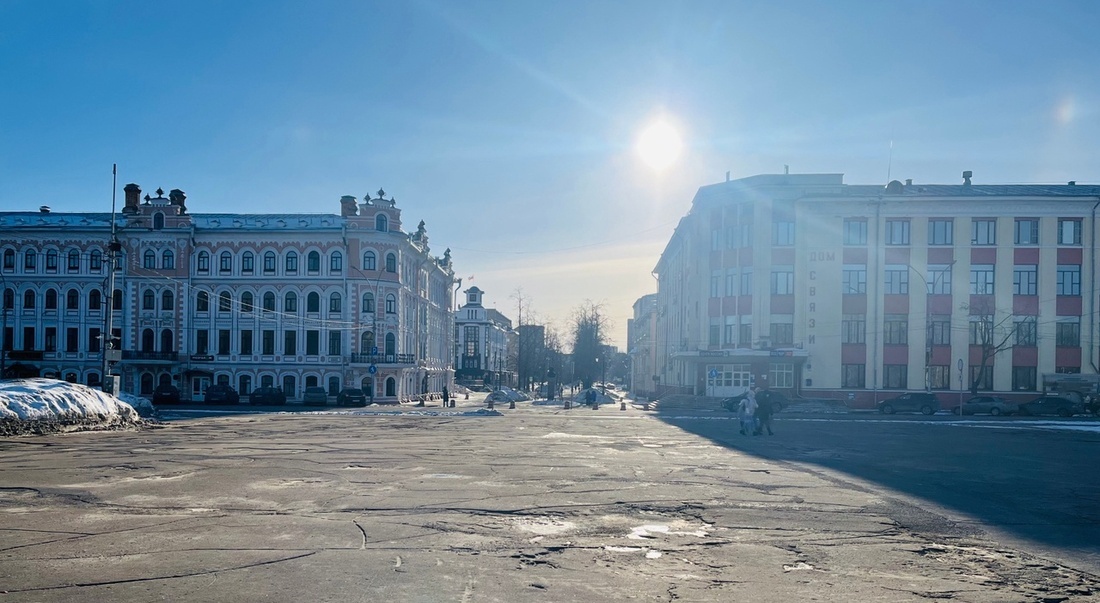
{"type": "Point", "coordinates": [374, 351]}
{"type": "Point", "coordinates": [713, 373]}
{"type": "Point", "coordinates": [372, 369]}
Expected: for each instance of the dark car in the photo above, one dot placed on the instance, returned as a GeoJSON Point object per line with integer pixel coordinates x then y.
{"type": "Point", "coordinates": [267, 395]}
{"type": "Point", "coordinates": [778, 400]}
{"type": "Point", "coordinates": [315, 395]}
{"type": "Point", "coordinates": [1050, 405]}
{"type": "Point", "coordinates": [166, 394]}
{"type": "Point", "coordinates": [922, 402]}
{"type": "Point", "coordinates": [221, 394]}
{"type": "Point", "coordinates": [350, 396]}
{"type": "Point", "coordinates": [994, 405]}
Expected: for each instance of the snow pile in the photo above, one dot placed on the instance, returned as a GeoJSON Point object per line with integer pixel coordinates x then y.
{"type": "Point", "coordinates": [47, 405]}
{"type": "Point", "coordinates": [143, 406]}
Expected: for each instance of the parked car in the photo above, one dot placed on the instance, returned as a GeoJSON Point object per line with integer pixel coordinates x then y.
{"type": "Point", "coordinates": [221, 394]}
{"type": "Point", "coordinates": [778, 400]}
{"type": "Point", "coordinates": [315, 395]}
{"type": "Point", "coordinates": [350, 396]}
{"type": "Point", "coordinates": [267, 395]}
{"type": "Point", "coordinates": [166, 394]}
{"type": "Point", "coordinates": [1050, 405]}
{"type": "Point", "coordinates": [994, 405]}
{"type": "Point", "coordinates": [922, 402]}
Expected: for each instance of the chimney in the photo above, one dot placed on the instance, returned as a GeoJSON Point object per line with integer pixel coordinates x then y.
{"type": "Point", "coordinates": [348, 206]}
{"type": "Point", "coordinates": [1072, 183]}
{"type": "Point", "coordinates": [727, 175]}
{"type": "Point", "coordinates": [967, 175]}
{"type": "Point", "coordinates": [44, 209]}
{"type": "Point", "coordinates": [133, 199]}
{"type": "Point", "coordinates": [908, 182]}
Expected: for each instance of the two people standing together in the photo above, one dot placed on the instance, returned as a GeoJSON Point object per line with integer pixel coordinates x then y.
{"type": "Point", "coordinates": [755, 414]}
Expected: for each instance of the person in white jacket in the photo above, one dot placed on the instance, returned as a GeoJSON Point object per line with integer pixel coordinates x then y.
{"type": "Point", "coordinates": [746, 412]}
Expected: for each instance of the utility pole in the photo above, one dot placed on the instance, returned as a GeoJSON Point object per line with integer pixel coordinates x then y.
{"type": "Point", "coordinates": [113, 249]}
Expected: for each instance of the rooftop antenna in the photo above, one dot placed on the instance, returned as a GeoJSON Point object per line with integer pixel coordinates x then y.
{"type": "Point", "coordinates": [890, 162]}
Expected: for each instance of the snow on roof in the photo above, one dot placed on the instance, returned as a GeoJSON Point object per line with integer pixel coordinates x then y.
{"type": "Point", "coordinates": [49, 399]}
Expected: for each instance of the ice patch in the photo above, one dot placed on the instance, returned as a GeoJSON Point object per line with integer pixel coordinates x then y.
{"type": "Point", "coordinates": [623, 549]}
{"type": "Point", "coordinates": [559, 435]}
{"type": "Point", "coordinates": [653, 555]}
{"type": "Point", "coordinates": [652, 530]}
{"type": "Point", "coordinates": [544, 526]}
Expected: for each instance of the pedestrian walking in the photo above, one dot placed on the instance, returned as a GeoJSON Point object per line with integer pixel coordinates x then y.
{"type": "Point", "coordinates": [746, 413]}
{"type": "Point", "coordinates": [764, 411]}
{"type": "Point", "coordinates": [446, 397]}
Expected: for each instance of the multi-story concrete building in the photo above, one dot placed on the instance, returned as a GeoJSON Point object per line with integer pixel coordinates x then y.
{"type": "Point", "coordinates": [483, 339]}
{"type": "Point", "coordinates": [802, 283]}
{"type": "Point", "coordinates": [284, 300]}
{"type": "Point", "coordinates": [641, 331]}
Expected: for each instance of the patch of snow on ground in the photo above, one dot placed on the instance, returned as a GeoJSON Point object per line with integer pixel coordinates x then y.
{"type": "Point", "coordinates": [544, 526]}
{"type": "Point", "coordinates": [49, 399]}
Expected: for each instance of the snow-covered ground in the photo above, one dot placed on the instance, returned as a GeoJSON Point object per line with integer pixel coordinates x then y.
{"type": "Point", "coordinates": [45, 405]}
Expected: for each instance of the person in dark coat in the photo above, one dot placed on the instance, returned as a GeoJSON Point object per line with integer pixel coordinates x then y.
{"type": "Point", "coordinates": [764, 410]}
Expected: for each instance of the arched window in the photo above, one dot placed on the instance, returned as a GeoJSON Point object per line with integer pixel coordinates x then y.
{"type": "Point", "coordinates": [158, 221]}
{"type": "Point", "coordinates": [370, 262]}
{"type": "Point", "coordinates": [368, 302]}
{"type": "Point", "coordinates": [391, 344]}
{"type": "Point", "coordinates": [147, 383]}
{"type": "Point", "coordinates": [28, 300]}
{"type": "Point", "coordinates": [366, 342]}
{"type": "Point", "coordinates": [30, 260]}
{"type": "Point", "coordinates": [166, 343]}
{"type": "Point", "coordinates": [269, 262]}
{"type": "Point", "coordinates": [244, 384]}
{"type": "Point", "coordinates": [391, 304]}
{"type": "Point", "coordinates": [223, 379]}
{"type": "Point", "coordinates": [149, 259]}
{"type": "Point", "coordinates": [269, 302]}
{"type": "Point", "coordinates": [367, 385]}
{"type": "Point", "coordinates": [51, 260]}
{"type": "Point", "coordinates": [246, 302]}
{"type": "Point", "coordinates": [336, 263]}
{"type": "Point", "coordinates": [248, 262]}
{"type": "Point", "coordinates": [291, 262]}
{"type": "Point", "coordinates": [167, 301]}
{"type": "Point", "coordinates": [202, 302]}
{"type": "Point", "coordinates": [391, 386]}
{"type": "Point", "coordinates": [290, 303]}
{"type": "Point", "coordinates": [116, 300]}
{"type": "Point", "coordinates": [51, 299]}
{"type": "Point", "coordinates": [95, 299]}
{"type": "Point", "coordinates": [147, 338]}
{"type": "Point", "coordinates": [164, 379]}
{"type": "Point", "coordinates": [313, 262]}
{"type": "Point", "coordinates": [225, 302]}
{"type": "Point", "coordinates": [313, 302]}
{"type": "Point", "coordinates": [225, 262]}
{"type": "Point", "coordinates": [203, 264]}
{"type": "Point", "coordinates": [381, 223]}
{"type": "Point", "coordinates": [391, 262]}
{"type": "Point", "coordinates": [9, 299]}
{"type": "Point", "coordinates": [333, 386]}
{"type": "Point", "coordinates": [267, 381]}
{"type": "Point", "coordinates": [168, 260]}
{"type": "Point", "coordinates": [93, 379]}
{"type": "Point", "coordinates": [95, 261]}
{"type": "Point", "coordinates": [335, 303]}
{"type": "Point", "coordinates": [72, 299]}
{"type": "Point", "coordinates": [148, 300]}
{"type": "Point", "coordinates": [9, 259]}
{"type": "Point", "coordinates": [289, 384]}
{"type": "Point", "coordinates": [73, 264]}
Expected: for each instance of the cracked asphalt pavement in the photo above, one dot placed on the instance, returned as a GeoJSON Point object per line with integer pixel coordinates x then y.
{"type": "Point", "coordinates": [539, 504]}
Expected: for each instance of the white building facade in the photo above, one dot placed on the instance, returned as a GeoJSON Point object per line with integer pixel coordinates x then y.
{"type": "Point", "coordinates": [483, 344]}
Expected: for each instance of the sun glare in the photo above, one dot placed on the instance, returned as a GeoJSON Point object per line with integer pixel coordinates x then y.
{"type": "Point", "coordinates": [659, 145]}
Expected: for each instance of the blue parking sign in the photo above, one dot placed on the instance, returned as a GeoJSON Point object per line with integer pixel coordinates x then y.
{"type": "Point", "coordinates": [374, 350]}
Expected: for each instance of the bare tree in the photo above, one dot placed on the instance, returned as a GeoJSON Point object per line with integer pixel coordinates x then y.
{"type": "Point", "coordinates": [590, 328]}
{"type": "Point", "coordinates": [991, 335]}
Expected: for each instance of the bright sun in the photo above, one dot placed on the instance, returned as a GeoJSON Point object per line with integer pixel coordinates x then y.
{"type": "Point", "coordinates": [659, 145]}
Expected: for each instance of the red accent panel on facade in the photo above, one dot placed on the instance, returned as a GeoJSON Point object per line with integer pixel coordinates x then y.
{"type": "Point", "coordinates": [1025, 305]}
{"type": "Point", "coordinates": [1068, 305]}
{"type": "Point", "coordinates": [1026, 255]}
{"type": "Point", "coordinates": [853, 353]}
{"type": "Point", "coordinates": [1067, 357]}
{"type": "Point", "coordinates": [746, 256]}
{"type": "Point", "coordinates": [941, 255]}
{"type": "Point", "coordinates": [729, 306]}
{"type": "Point", "coordinates": [976, 358]}
{"type": "Point", "coordinates": [941, 355]}
{"type": "Point", "coordinates": [782, 304]}
{"type": "Point", "coordinates": [744, 304]}
{"type": "Point", "coordinates": [1025, 356]}
{"type": "Point", "coordinates": [983, 255]}
{"type": "Point", "coordinates": [897, 255]}
{"type": "Point", "coordinates": [783, 255]}
{"type": "Point", "coordinates": [854, 304]}
{"type": "Point", "coordinates": [1070, 255]}
{"type": "Point", "coordinates": [982, 304]}
{"type": "Point", "coordinates": [895, 354]}
{"type": "Point", "coordinates": [895, 304]}
{"type": "Point", "coordinates": [855, 255]}
{"type": "Point", "coordinates": [714, 306]}
{"type": "Point", "coordinates": [940, 304]}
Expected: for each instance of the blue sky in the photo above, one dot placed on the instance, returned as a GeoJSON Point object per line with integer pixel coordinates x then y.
{"type": "Point", "coordinates": [509, 126]}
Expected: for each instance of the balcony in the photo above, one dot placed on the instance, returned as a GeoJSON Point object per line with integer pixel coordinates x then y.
{"type": "Point", "coordinates": [399, 359]}
{"type": "Point", "coordinates": [154, 356]}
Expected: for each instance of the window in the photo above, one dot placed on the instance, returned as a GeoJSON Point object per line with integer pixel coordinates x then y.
{"type": "Point", "coordinates": [336, 263]}
{"type": "Point", "coordinates": [731, 282]}
{"type": "Point", "coordinates": [72, 299]}
{"type": "Point", "coordinates": [72, 340]}
{"type": "Point", "coordinates": [73, 264]}
{"type": "Point", "coordinates": [51, 299]}
{"type": "Point", "coordinates": [334, 346]}
{"type": "Point", "coordinates": [981, 279]}
{"type": "Point", "coordinates": [9, 259]}
{"type": "Point", "coordinates": [202, 302]}
{"type": "Point", "coordinates": [30, 261]}
{"type": "Point", "coordinates": [167, 301]}
{"type": "Point", "coordinates": [781, 374]}
{"type": "Point", "coordinates": [730, 330]}
{"type": "Point", "coordinates": [853, 328]}
{"type": "Point", "coordinates": [782, 333]}
{"type": "Point", "coordinates": [980, 330]}
{"type": "Point", "coordinates": [290, 303]}
{"type": "Point", "coordinates": [1069, 279]}
{"type": "Point", "coordinates": [149, 259]}
{"type": "Point", "coordinates": [716, 283]}
{"type": "Point", "coordinates": [51, 339]}
{"type": "Point", "coordinates": [225, 302]}
{"type": "Point", "coordinates": [369, 261]}
{"type": "Point", "coordinates": [29, 300]}
{"type": "Point", "coordinates": [715, 239]}
{"type": "Point", "coordinates": [897, 280]}
{"type": "Point", "coordinates": [203, 263]}
{"type": "Point", "coordinates": [1027, 231]}
{"type": "Point", "coordinates": [853, 375]}
{"type": "Point", "coordinates": [247, 302]}
{"type": "Point", "coordinates": [391, 262]}
{"type": "Point", "coordinates": [783, 233]}
{"type": "Point", "coordinates": [95, 261]}
{"type": "Point", "coordinates": [244, 384]}
{"type": "Point", "coordinates": [855, 232]}
{"type": "Point", "coordinates": [269, 302]}
{"type": "Point", "coordinates": [291, 262]}
{"type": "Point", "coordinates": [939, 279]}
{"type": "Point", "coordinates": [225, 262]}
{"type": "Point", "coordinates": [158, 221]}
{"type": "Point", "coordinates": [897, 232]}
{"type": "Point", "coordinates": [202, 341]}
{"type": "Point", "coordinates": [941, 232]}
{"type": "Point", "coordinates": [313, 342]}
{"type": "Point", "coordinates": [1023, 378]}
{"type": "Point", "coordinates": [248, 263]}
{"type": "Point", "coordinates": [290, 343]}
{"type": "Point", "coordinates": [744, 335]}
{"type": "Point", "coordinates": [116, 300]}
{"type": "Point", "coordinates": [368, 302]}
{"type": "Point", "coordinates": [854, 280]}
{"type": "Point", "coordinates": [746, 235]}
{"type": "Point", "coordinates": [269, 262]}
{"type": "Point", "coordinates": [940, 329]}
{"type": "Point", "coordinates": [246, 342]}
{"type": "Point", "coordinates": [731, 237]}
{"type": "Point", "coordinates": [366, 343]}
{"type": "Point", "coordinates": [381, 224]}
{"type": "Point", "coordinates": [782, 280]}
{"type": "Point", "coordinates": [1069, 231]}
{"type": "Point", "coordinates": [1026, 331]}
{"type": "Point", "coordinates": [391, 304]}
{"type": "Point", "coordinates": [95, 300]}
{"type": "Point", "coordinates": [897, 329]}
{"type": "Point", "coordinates": [267, 342]}
{"type": "Point", "coordinates": [983, 232]}
{"type": "Point", "coordinates": [746, 282]}
{"type": "Point", "coordinates": [313, 303]}
{"type": "Point", "coordinates": [223, 341]}
{"type": "Point", "coordinates": [1025, 280]}
{"type": "Point", "coordinates": [1068, 332]}
{"type": "Point", "coordinates": [313, 262]}
{"type": "Point", "coordinates": [939, 376]}
{"type": "Point", "coordinates": [148, 300]}
{"type": "Point", "coordinates": [335, 303]}
{"type": "Point", "coordinates": [895, 376]}
{"type": "Point", "coordinates": [9, 299]}
{"type": "Point", "coordinates": [51, 260]}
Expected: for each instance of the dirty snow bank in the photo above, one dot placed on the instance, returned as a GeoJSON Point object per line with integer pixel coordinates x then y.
{"type": "Point", "coordinates": [47, 406]}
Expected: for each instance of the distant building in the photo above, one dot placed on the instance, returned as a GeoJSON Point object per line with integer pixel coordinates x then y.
{"type": "Point", "coordinates": [482, 344]}
{"type": "Point", "coordinates": [802, 283]}
{"type": "Point", "coordinates": [641, 333]}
